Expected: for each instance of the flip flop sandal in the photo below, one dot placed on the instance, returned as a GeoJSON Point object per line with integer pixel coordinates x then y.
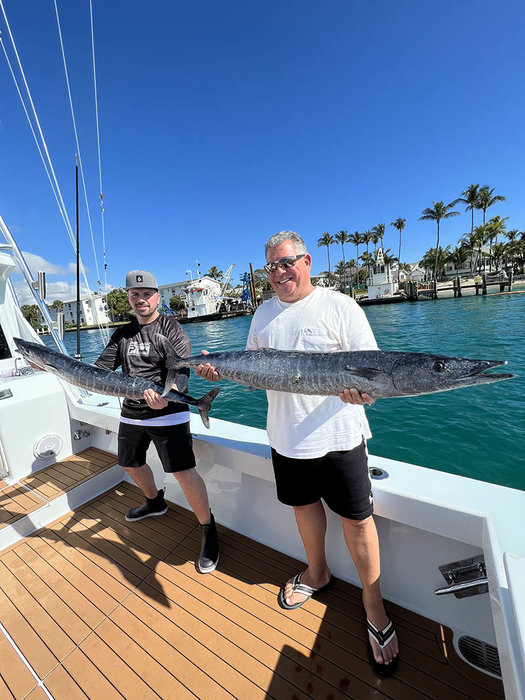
{"type": "Point", "coordinates": [383, 638]}
{"type": "Point", "coordinates": [303, 589]}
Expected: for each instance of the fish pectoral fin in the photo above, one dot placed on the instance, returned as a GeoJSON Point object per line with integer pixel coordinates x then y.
{"type": "Point", "coordinates": [176, 381]}
{"type": "Point", "coordinates": [365, 372]}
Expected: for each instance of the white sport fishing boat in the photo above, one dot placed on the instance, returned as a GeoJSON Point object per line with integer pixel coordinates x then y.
{"type": "Point", "coordinates": [93, 606]}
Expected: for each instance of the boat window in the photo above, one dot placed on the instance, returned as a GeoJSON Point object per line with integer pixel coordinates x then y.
{"type": "Point", "coordinates": [5, 353]}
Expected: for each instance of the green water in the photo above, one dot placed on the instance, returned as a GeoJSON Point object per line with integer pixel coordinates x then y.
{"type": "Point", "coordinates": [476, 432]}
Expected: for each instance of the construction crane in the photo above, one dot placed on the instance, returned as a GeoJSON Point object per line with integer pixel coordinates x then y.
{"type": "Point", "coordinates": [227, 278]}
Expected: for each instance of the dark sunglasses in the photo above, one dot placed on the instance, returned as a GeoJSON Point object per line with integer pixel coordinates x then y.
{"type": "Point", "coordinates": [283, 263]}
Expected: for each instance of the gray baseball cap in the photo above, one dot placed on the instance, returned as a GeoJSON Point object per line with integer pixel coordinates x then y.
{"type": "Point", "coordinates": [140, 279]}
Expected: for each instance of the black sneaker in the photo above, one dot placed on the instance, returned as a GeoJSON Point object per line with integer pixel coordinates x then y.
{"type": "Point", "coordinates": [209, 556]}
{"type": "Point", "coordinates": [153, 506]}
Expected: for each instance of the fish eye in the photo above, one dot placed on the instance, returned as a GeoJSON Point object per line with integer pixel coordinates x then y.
{"type": "Point", "coordinates": [438, 366]}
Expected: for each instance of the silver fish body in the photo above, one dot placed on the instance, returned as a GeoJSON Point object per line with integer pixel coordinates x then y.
{"type": "Point", "coordinates": [379, 374]}
{"type": "Point", "coordinates": [104, 381]}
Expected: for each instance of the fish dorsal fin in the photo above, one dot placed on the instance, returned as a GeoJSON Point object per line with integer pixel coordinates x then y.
{"type": "Point", "coordinates": [171, 357]}
{"type": "Point", "coordinates": [365, 372]}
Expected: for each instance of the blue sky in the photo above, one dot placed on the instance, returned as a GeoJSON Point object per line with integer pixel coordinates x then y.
{"type": "Point", "coordinates": [223, 123]}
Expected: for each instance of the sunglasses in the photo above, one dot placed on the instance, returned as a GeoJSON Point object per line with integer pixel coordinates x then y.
{"type": "Point", "coordinates": [283, 263]}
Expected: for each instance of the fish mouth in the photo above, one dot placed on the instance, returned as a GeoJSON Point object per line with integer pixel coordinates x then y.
{"type": "Point", "coordinates": [480, 373]}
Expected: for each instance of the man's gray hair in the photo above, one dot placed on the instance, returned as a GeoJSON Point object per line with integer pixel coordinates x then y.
{"type": "Point", "coordinates": [281, 237]}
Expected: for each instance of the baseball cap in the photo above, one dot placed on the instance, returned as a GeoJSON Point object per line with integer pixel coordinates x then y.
{"type": "Point", "coordinates": [140, 279]}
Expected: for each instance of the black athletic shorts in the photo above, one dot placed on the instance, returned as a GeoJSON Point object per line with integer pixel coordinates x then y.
{"type": "Point", "coordinates": [339, 478]}
{"type": "Point", "coordinates": [173, 442]}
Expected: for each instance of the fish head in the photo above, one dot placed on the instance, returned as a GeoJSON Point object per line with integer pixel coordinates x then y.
{"type": "Point", "coordinates": [415, 373]}
{"type": "Point", "coordinates": [34, 353]}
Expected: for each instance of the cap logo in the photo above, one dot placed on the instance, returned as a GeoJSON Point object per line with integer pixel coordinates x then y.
{"type": "Point", "coordinates": [139, 278]}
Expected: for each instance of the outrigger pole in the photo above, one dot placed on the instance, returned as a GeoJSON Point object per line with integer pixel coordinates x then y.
{"type": "Point", "coordinates": [78, 354]}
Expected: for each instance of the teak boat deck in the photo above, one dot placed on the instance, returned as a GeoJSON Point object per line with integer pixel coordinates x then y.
{"type": "Point", "coordinates": [93, 606]}
{"type": "Point", "coordinates": [32, 492]}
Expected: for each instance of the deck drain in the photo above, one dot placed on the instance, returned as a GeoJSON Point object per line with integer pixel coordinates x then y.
{"type": "Point", "coordinates": [480, 654]}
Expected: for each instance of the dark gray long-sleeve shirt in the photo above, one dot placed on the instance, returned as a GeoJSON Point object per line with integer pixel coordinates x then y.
{"type": "Point", "coordinates": [137, 349]}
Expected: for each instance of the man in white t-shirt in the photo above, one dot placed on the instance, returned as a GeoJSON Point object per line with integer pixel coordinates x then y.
{"type": "Point", "coordinates": [318, 442]}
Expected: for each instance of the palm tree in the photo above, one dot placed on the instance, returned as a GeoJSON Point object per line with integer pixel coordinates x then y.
{"type": "Point", "coordinates": [379, 230]}
{"type": "Point", "coordinates": [326, 240]}
{"type": "Point", "coordinates": [400, 225]}
{"type": "Point", "coordinates": [367, 239]}
{"type": "Point", "coordinates": [457, 257]}
{"type": "Point", "coordinates": [437, 256]}
{"type": "Point", "coordinates": [481, 237]}
{"type": "Point", "coordinates": [215, 273]}
{"type": "Point", "coordinates": [340, 270]}
{"type": "Point", "coordinates": [389, 259]}
{"type": "Point", "coordinates": [368, 260]}
{"type": "Point", "coordinates": [486, 198]}
{"type": "Point", "coordinates": [469, 242]}
{"type": "Point", "coordinates": [374, 238]}
{"type": "Point", "coordinates": [496, 227]}
{"type": "Point", "coordinates": [470, 198]}
{"type": "Point", "coordinates": [499, 252]}
{"type": "Point", "coordinates": [356, 239]}
{"type": "Point", "coordinates": [439, 211]}
{"type": "Point", "coordinates": [342, 238]}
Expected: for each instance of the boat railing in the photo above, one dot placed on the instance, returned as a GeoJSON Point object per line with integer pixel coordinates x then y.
{"type": "Point", "coordinates": [17, 254]}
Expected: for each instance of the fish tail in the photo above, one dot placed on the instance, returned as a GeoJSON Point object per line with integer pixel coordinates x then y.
{"type": "Point", "coordinates": [204, 405]}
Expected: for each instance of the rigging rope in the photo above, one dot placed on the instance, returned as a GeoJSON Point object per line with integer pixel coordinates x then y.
{"type": "Point", "coordinates": [98, 145]}
{"type": "Point", "coordinates": [76, 138]}
{"type": "Point", "coordinates": [44, 152]}
{"type": "Point", "coordinates": [56, 187]}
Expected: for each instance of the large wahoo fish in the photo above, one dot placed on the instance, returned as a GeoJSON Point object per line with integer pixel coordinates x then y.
{"type": "Point", "coordinates": [105, 381]}
{"type": "Point", "coordinates": [379, 374]}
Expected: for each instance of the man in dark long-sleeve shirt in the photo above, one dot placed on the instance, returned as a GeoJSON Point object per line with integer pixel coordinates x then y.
{"type": "Point", "coordinates": [137, 349]}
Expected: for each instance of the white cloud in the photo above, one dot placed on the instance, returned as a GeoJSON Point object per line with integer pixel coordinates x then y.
{"type": "Point", "coordinates": [54, 290]}
{"type": "Point", "coordinates": [37, 263]}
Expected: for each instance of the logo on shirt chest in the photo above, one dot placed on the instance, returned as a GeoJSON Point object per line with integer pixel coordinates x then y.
{"type": "Point", "coordinates": [139, 348]}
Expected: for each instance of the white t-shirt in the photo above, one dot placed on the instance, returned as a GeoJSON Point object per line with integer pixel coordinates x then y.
{"type": "Point", "coordinates": [299, 425]}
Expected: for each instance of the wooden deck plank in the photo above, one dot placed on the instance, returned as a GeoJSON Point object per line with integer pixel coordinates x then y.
{"type": "Point", "coordinates": [82, 552]}
{"type": "Point", "coordinates": [61, 685]}
{"type": "Point", "coordinates": [128, 683]}
{"type": "Point", "coordinates": [90, 595]}
{"type": "Point", "coordinates": [18, 500]}
{"type": "Point", "coordinates": [55, 637]}
{"type": "Point", "coordinates": [188, 631]}
{"type": "Point", "coordinates": [88, 677]}
{"type": "Point", "coordinates": [126, 533]}
{"type": "Point", "coordinates": [19, 563]}
{"type": "Point", "coordinates": [5, 693]}
{"type": "Point", "coordinates": [54, 477]}
{"type": "Point", "coordinates": [25, 637]}
{"type": "Point", "coordinates": [77, 603]}
{"type": "Point", "coordinates": [14, 674]}
{"type": "Point", "coordinates": [166, 531]}
{"type": "Point", "coordinates": [154, 627]}
{"type": "Point", "coordinates": [37, 694]}
{"type": "Point", "coordinates": [131, 639]}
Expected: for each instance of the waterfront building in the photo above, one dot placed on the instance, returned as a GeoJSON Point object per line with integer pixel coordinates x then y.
{"type": "Point", "coordinates": [181, 289]}
{"type": "Point", "coordinates": [93, 311]}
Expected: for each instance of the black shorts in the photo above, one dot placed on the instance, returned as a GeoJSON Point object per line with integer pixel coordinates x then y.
{"type": "Point", "coordinates": [173, 442]}
{"type": "Point", "coordinates": [340, 478]}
